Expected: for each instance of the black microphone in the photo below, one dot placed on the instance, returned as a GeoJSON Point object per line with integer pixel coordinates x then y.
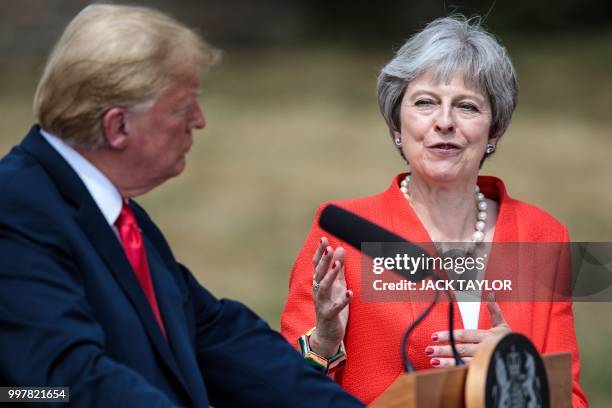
{"type": "Point", "coordinates": [356, 230]}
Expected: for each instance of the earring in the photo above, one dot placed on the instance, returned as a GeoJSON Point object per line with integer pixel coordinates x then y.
{"type": "Point", "coordinates": [398, 141]}
{"type": "Point", "coordinates": [490, 148]}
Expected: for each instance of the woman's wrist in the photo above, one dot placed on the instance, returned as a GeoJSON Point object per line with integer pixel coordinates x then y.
{"type": "Point", "coordinates": [327, 364]}
{"type": "Point", "coordinates": [323, 347]}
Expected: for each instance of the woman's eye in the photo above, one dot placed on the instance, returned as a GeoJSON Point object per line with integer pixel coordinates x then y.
{"type": "Point", "coordinates": [423, 102]}
{"type": "Point", "coordinates": [468, 107]}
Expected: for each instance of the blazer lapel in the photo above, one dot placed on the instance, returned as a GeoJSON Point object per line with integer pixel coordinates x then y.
{"type": "Point", "coordinates": [102, 238]}
{"type": "Point", "coordinates": [506, 253]}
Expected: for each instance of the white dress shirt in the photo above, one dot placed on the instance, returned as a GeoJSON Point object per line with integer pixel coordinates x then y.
{"type": "Point", "coordinates": [470, 312]}
{"type": "Point", "coordinates": [104, 193]}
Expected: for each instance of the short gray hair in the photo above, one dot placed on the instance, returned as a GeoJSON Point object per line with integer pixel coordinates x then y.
{"type": "Point", "coordinates": [445, 47]}
{"type": "Point", "coordinates": [113, 55]}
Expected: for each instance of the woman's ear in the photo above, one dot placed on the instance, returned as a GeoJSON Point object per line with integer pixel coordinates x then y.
{"type": "Point", "coordinates": [493, 141]}
{"type": "Point", "coordinates": [115, 128]}
{"type": "Point", "coordinates": [397, 138]}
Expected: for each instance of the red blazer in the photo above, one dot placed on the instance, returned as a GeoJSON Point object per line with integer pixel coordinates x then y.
{"type": "Point", "coordinates": [375, 329]}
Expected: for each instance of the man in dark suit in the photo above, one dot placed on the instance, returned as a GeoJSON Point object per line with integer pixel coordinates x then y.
{"type": "Point", "coordinates": [91, 296]}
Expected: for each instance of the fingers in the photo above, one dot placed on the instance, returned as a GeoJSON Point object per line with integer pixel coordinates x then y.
{"type": "Point", "coordinates": [323, 266]}
{"type": "Point", "coordinates": [464, 350]}
{"type": "Point", "coordinates": [326, 260]}
{"type": "Point", "coordinates": [331, 295]}
{"type": "Point", "coordinates": [329, 305]}
{"type": "Point", "coordinates": [447, 362]}
{"type": "Point", "coordinates": [322, 259]}
{"type": "Point", "coordinates": [467, 341]}
{"type": "Point", "coordinates": [333, 286]}
{"type": "Point", "coordinates": [337, 266]}
{"type": "Point", "coordinates": [464, 336]}
{"type": "Point", "coordinates": [323, 243]}
{"type": "Point", "coordinates": [497, 318]}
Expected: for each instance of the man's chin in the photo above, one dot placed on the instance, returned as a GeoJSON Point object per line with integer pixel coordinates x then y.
{"type": "Point", "coordinates": [179, 167]}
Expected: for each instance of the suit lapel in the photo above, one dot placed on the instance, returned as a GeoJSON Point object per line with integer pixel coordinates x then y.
{"type": "Point", "coordinates": [108, 247]}
{"type": "Point", "coordinates": [171, 304]}
{"type": "Point", "coordinates": [102, 238]}
{"type": "Point", "coordinates": [171, 297]}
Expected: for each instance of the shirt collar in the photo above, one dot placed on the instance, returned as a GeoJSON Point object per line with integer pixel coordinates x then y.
{"type": "Point", "coordinates": [103, 192]}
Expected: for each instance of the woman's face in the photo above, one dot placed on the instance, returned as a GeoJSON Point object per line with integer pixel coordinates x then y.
{"type": "Point", "coordinates": [444, 129]}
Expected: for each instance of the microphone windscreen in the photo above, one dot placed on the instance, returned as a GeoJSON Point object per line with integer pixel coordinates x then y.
{"type": "Point", "coordinates": [356, 230]}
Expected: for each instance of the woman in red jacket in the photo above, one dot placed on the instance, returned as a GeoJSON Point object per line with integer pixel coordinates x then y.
{"type": "Point", "coordinates": [447, 96]}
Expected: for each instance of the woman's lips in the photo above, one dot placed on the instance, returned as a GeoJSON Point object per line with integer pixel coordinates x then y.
{"type": "Point", "coordinates": [446, 149]}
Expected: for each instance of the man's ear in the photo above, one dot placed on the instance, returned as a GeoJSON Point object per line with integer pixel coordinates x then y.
{"type": "Point", "coordinates": [115, 128]}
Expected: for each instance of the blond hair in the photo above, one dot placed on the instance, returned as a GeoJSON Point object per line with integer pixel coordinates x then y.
{"type": "Point", "coordinates": [113, 56]}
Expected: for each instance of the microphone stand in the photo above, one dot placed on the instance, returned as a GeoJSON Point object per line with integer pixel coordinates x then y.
{"type": "Point", "coordinates": [408, 366]}
{"type": "Point", "coordinates": [458, 360]}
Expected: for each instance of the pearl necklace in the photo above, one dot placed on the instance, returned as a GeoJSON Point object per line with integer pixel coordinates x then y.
{"type": "Point", "coordinates": [478, 235]}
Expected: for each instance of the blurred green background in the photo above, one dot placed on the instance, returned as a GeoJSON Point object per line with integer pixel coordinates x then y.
{"type": "Point", "coordinates": [292, 120]}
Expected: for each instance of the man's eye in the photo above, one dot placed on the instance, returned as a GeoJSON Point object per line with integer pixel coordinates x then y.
{"type": "Point", "coordinates": [183, 109]}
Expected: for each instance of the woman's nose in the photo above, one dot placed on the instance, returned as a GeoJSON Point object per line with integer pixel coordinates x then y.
{"type": "Point", "coordinates": [444, 121]}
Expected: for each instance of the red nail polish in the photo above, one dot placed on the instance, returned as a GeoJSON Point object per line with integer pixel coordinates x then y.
{"type": "Point", "coordinates": [336, 264]}
{"type": "Point", "coordinates": [326, 252]}
{"type": "Point", "coordinates": [429, 350]}
{"type": "Point", "coordinates": [435, 362]}
{"type": "Point", "coordinates": [434, 337]}
{"type": "Point", "coordinates": [348, 294]}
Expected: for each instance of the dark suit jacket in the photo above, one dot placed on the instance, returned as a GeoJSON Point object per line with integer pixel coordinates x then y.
{"type": "Point", "coordinates": [72, 312]}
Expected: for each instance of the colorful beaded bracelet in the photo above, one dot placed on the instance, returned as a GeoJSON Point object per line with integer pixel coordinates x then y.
{"type": "Point", "coordinates": [325, 365]}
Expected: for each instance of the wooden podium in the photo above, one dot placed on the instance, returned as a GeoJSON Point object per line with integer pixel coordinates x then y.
{"type": "Point", "coordinates": [471, 386]}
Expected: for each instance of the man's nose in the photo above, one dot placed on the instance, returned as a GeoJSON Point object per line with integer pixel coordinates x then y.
{"type": "Point", "coordinates": [198, 121]}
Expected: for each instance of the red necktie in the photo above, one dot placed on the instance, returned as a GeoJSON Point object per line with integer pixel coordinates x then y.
{"type": "Point", "coordinates": [131, 239]}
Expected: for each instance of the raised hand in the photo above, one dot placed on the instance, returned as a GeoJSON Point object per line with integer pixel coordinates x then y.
{"type": "Point", "coordinates": [331, 298]}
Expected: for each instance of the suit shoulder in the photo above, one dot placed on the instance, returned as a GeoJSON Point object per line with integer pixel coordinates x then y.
{"type": "Point", "coordinates": [28, 195]}
{"type": "Point", "coordinates": [536, 222]}
{"type": "Point", "coordinates": [365, 206]}
{"type": "Point", "coordinates": [21, 176]}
